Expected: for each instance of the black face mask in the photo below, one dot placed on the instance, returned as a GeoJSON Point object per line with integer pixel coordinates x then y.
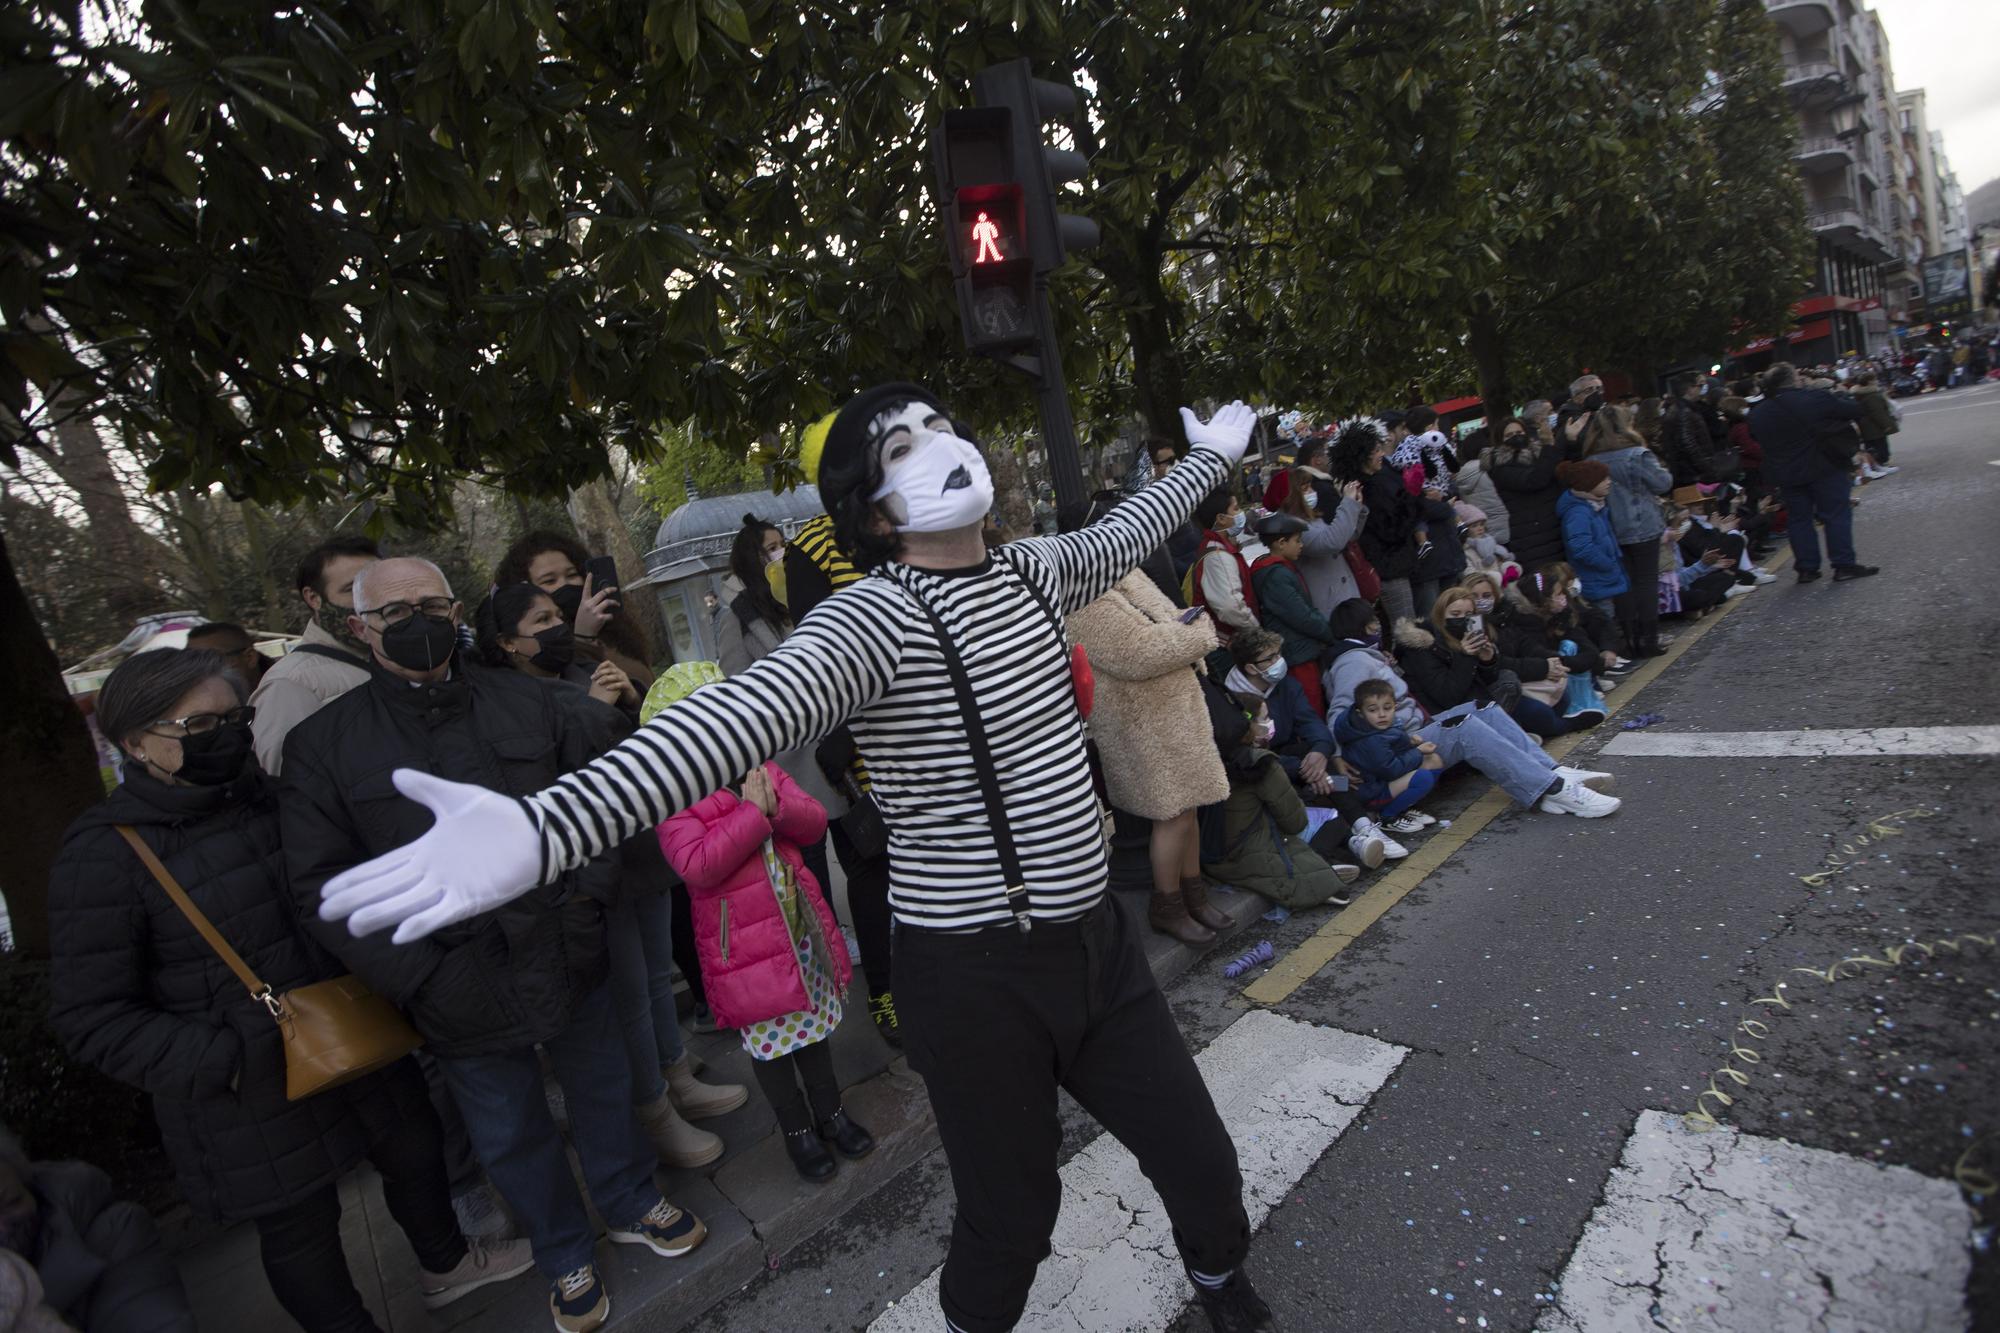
{"type": "Point", "coordinates": [1457, 625]}
{"type": "Point", "coordinates": [420, 643]}
{"type": "Point", "coordinates": [557, 648]}
{"type": "Point", "coordinates": [215, 758]}
{"type": "Point", "coordinates": [568, 600]}
{"type": "Point", "coordinates": [1594, 401]}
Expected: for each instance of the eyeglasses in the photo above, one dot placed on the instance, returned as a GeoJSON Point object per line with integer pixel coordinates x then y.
{"type": "Point", "coordinates": [199, 724]}
{"type": "Point", "coordinates": [395, 613]}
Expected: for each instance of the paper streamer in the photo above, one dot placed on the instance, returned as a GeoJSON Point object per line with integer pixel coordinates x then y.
{"type": "Point", "coordinates": [1849, 853]}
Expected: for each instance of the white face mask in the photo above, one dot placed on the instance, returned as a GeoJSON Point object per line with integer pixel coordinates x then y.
{"type": "Point", "coordinates": [1483, 603]}
{"type": "Point", "coordinates": [932, 481]}
{"type": "Point", "coordinates": [1277, 671]}
{"type": "Point", "coordinates": [1264, 731]}
{"type": "Point", "coordinates": [1576, 587]}
{"type": "Point", "coordinates": [1312, 500]}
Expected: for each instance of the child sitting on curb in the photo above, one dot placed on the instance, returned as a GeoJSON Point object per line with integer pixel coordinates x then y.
{"type": "Point", "coordinates": [1400, 769]}
{"type": "Point", "coordinates": [1256, 843]}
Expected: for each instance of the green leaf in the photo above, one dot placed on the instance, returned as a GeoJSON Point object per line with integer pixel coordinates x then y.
{"type": "Point", "coordinates": [687, 32]}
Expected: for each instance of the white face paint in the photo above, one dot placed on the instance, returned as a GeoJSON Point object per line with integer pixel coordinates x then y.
{"type": "Point", "coordinates": [932, 481]}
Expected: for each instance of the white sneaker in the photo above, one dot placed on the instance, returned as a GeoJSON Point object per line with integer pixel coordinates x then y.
{"type": "Point", "coordinates": [484, 1263]}
{"type": "Point", "coordinates": [1367, 849]}
{"type": "Point", "coordinates": [1573, 798]}
{"type": "Point", "coordinates": [1404, 824]}
{"type": "Point", "coordinates": [1885, 470]}
{"type": "Point", "coordinates": [1871, 472]}
{"type": "Point", "coordinates": [1369, 829]}
{"type": "Point", "coordinates": [1738, 589]}
{"type": "Point", "coordinates": [1606, 684]}
{"type": "Point", "coordinates": [1763, 575]}
{"type": "Point", "coordinates": [1589, 777]}
{"type": "Point", "coordinates": [1423, 820]}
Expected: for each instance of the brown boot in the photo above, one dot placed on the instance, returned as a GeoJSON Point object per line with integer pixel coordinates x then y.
{"type": "Point", "coordinates": [1194, 892]}
{"type": "Point", "coordinates": [678, 1143]}
{"type": "Point", "coordinates": [1168, 914]}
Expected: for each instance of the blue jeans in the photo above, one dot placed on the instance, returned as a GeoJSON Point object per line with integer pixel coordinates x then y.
{"type": "Point", "coordinates": [1483, 736]}
{"type": "Point", "coordinates": [508, 1117]}
{"type": "Point", "coordinates": [1537, 718]}
{"type": "Point", "coordinates": [1831, 500]}
{"type": "Point", "coordinates": [640, 932]}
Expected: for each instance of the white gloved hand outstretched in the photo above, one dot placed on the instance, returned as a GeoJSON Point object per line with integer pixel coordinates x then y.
{"type": "Point", "coordinates": [482, 852]}
{"type": "Point", "coordinates": [1227, 432]}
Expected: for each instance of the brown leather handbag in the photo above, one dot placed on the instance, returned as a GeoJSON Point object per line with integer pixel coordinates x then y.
{"type": "Point", "coordinates": [334, 1031]}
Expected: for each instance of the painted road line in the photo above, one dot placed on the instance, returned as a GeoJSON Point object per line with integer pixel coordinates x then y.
{"type": "Point", "coordinates": [1285, 1089]}
{"type": "Point", "coordinates": [1832, 742]}
{"type": "Point", "coordinates": [1276, 984]}
{"type": "Point", "coordinates": [1724, 1230]}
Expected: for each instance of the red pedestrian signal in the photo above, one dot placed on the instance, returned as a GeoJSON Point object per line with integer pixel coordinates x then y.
{"type": "Point", "coordinates": [986, 239]}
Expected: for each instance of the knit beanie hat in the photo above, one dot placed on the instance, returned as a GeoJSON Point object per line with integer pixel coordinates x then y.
{"type": "Point", "coordinates": [676, 683]}
{"type": "Point", "coordinates": [1468, 514]}
{"type": "Point", "coordinates": [1583, 474]}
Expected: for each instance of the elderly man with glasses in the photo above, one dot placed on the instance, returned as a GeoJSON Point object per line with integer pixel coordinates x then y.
{"type": "Point", "coordinates": [533, 970]}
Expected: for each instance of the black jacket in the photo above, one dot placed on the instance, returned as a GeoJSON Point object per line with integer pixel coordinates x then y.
{"type": "Point", "coordinates": [1447, 558]}
{"type": "Point", "coordinates": [1529, 489]}
{"type": "Point", "coordinates": [138, 994]}
{"type": "Point", "coordinates": [99, 1257]}
{"type": "Point", "coordinates": [1525, 637]}
{"type": "Point", "coordinates": [502, 980]}
{"type": "Point", "coordinates": [1806, 435]}
{"type": "Point", "coordinates": [1388, 535]}
{"type": "Point", "coordinates": [1687, 441]}
{"type": "Point", "coordinates": [1439, 677]}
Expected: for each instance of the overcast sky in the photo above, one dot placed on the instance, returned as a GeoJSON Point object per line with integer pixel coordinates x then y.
{"type": "Point", "coordinates": [1949, 48]}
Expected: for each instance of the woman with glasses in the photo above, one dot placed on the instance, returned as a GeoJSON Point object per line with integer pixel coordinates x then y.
{"type": "Point", "coordinates": [140, 995]}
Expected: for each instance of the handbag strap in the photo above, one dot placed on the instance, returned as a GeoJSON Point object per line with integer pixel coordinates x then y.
{"type": "Point", "coordinates": [196, 918]}
{"type": "Point", "coordinates": [982, 765]}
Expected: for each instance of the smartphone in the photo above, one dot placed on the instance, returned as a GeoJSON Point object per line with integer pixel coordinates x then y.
{"type": "Point", "coordinates": [602, 571]}
{"type": "Point", "coordinates": [1339, 781]}
{"type": "Point", "coordinates": [1189, 616]}
{"type": "Point", "coordinates": [1475, 624]}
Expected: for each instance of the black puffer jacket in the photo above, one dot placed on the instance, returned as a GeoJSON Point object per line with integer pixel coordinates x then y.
{"type": "Point", "coordinates": [502, 980]}
{"type": "Point", "coordinates": [138, 994]}
{"type": "Point", "coordinates": [1388, 535]}
{"type": "Point", "coordinates": [1527, 636]}
{"type": "Point", "coordinates": [1528, 487]}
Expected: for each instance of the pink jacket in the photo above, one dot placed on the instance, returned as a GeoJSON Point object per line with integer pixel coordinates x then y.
{"type": "Point", "coordinates": [747, 964]}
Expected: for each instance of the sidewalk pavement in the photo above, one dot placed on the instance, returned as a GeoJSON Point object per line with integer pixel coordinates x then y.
{"type": "Point", "coordinates": [754, 1204]}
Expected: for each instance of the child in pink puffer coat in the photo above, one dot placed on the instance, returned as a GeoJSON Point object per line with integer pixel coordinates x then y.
{"type": "Point", "coordinates": [772, 957]}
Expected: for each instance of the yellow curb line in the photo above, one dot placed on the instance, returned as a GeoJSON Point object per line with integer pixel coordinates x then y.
{"type": "Point", "coordinates": [1290, 972]}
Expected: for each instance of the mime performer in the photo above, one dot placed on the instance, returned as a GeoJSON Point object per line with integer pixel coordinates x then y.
{"type": "Point", "coordinates": [1016, 972]}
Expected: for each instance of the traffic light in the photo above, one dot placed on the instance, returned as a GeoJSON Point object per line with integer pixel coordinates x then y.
{"type": "Point", "coordinates": [1052, 233]}
{"type": "Point", "coordinates": [986, 231]}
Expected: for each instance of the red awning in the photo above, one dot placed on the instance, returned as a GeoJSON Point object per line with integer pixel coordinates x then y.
{"type": "Point", "coordinates": [1450, 405]}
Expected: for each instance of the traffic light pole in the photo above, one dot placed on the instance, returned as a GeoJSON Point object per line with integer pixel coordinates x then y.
{"type": "Point", "coordinates": [1052, 401]}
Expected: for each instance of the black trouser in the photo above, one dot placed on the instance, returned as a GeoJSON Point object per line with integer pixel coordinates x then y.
{"type": "Point", "coordinates": [1877, 449]}
{"type": "Point", "coordinates": [301, 1246]}
{"type": "Point", "coordinates": [996, 1020]}
{"type": "Point", "coordinates": [1639, 605]}
{"type": "Point", "coordinates": [780, 1078]}
{"type": "Point", "coordinates": [868, 905]}
{"type": "Point", "coordinates": [1711, 589]}
{"type": "Point", "coordinates": [685, 957]}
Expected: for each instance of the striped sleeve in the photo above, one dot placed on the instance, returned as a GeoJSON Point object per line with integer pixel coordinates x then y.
{"type": "Point", "coordinates": [840, 659]}
{"type": "Point", "coordinates": [1087, 563]}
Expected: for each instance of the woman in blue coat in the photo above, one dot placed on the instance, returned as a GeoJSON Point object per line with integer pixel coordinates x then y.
{"type": "Point", "coordinates": [1587, 537]}
{"type": "Point", "coordinates": [1638, 480]}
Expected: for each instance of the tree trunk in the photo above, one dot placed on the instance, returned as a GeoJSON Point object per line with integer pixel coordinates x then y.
{"type": "Point", "coordinates": [48, 765]}
{"type": "Point", "coordinates": [1489, 357]}
{"type": "Point", "coordinates": [84, 464]}
{"type": "Point", "coordinates": [1158, 379]}
{"type": "Point", "coordinates": [604, 531]}
{"type": "Point", "coordinates": [1012, 505]}
{"type": "Point", "coordinates": [256, 538]}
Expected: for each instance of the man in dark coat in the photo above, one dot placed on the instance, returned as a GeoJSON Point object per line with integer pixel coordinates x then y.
{"type": "Point", "coordinates": [484, 992]}
{"type": "Point", "coordinates": [1809, 442]}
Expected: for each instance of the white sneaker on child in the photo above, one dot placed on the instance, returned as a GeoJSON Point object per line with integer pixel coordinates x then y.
{"type": "Point", "coordinates": [1372, 831]}
{"type": "Point", "coordinates": [1367, 850]}
{"type": "Point", "coordinates": [1405, 825]}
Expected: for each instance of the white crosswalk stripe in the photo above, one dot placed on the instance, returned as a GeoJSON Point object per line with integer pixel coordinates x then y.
{"type": "Point", "coordinates": [1729, 1231]}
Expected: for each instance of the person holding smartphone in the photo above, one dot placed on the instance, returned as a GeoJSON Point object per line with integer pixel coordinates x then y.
{"type": "Point", "coordinates": [585, 588]}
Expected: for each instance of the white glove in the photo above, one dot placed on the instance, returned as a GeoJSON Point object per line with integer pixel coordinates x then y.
{"type": "Point", "coordinates": [482, 852]}
{"type": "Point", "coordinates": [1227, 432]}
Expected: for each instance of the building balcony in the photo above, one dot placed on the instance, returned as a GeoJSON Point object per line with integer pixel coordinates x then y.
{"type": "Point", "coordinates": [1834, 213]}
{"type": "Point", "coordinates": [1802, 18]}
{"type": "Point", "coordinates": [1815, 82]}
{"type": "Point", "coordinates": [1823, 152]}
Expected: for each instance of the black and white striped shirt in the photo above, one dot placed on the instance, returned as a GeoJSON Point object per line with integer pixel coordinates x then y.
{"type": "Point", "coordinates": [869, 656]}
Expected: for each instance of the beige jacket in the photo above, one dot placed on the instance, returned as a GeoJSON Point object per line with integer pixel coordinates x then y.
{"type": "Point", "coordinates": [295, 687]}
{"type": "Point", "coordinates": [1150, 721]}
